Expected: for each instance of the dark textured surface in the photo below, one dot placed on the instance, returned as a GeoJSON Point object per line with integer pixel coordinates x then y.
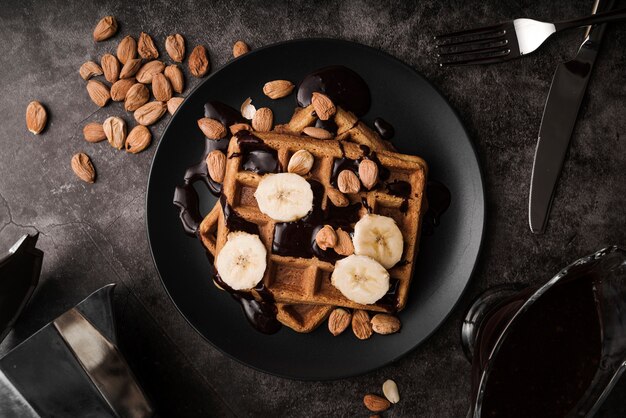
{"type": "Point", "coordinates": [94, 234]}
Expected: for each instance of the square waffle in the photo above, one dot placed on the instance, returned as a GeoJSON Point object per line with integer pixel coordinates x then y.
{"type": "Point", "coordinates": [298, 280]}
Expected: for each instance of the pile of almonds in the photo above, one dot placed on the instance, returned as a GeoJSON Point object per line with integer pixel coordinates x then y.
{"type": "Point", "coordinates": [377, 403]}
{"type": "Point", "coordinates": [362, 326]}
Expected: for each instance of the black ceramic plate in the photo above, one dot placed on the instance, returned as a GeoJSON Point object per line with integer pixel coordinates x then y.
{"type": "Point", "coordinates": [425, 125]}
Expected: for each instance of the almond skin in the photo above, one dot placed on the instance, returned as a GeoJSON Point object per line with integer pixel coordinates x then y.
{"type": "Point", "coordinates": [161, 87]}
{"type": "Point", "coordinates": [115, 131]}
{"type": "Point", "coordinates": [338, 321]}
{"type": "Point", "coordinates": [98, 92]}
{"type": "Point", "coordinates": [361, 326]}
{"type": "Point", "coordinates": [324, 107]}
{"type": "Point", "coordinates": [130, 68]}
{"type": "Point", "coordinates": [318, 133]}
{"type": "Point", "coordinates": [301, 162]}
{"type": "Point", "coordinates": [126, 49]}
{"type": "Point", "coordinates": [211, 128]}
{"type": "Point", "coordinates": [239, 127]}
{"type": "Point", "coordinates": [146, 48]}
{"type": "Point", "coordinates": [376, 403]}
{"type": "Point", "coordinates": [90, 69]}
{"type": "Point", "coordinates": [216, 165]}
{"type": "Point", "coordinates": [278, 89]}
{"type": "Point", "coordinates": [326, 237]}
{"type": "Point", "coordinates": [240, 48]}
{"type": "Point", "coordinates": [344, 244]}
{"type": "Point", "coordinates": [175, 75]}
{"type": "Point", "coordinates": [83, 168]}
{"type": "Point", "coordinates": [110, 67]}
{"type": "Point", "coordinates": [385, 324]}
{"type": "Point", "coordinates": [173, 104]}
{"type": "Point", "coordinates": [36, 117]}
{"type": "Point", "coordinates": [94, 132]}
{"type": "Point", "coordinates": [337, 198]}
{"type": "Point", "coordinates": [137, 96]}
{"type": "Point", "coordinates": [120, 88]}
{"type": "Point", "coordinates": [348, 182]}
{"type": "Point", "coordinates": [138, 139]}
{"type": "Point", "coordinates": [150, 113]}
{"type": "Point", "coordinates": [148, 70]}
{"type": "Point", "coordinates": [368, 173]}
{"type": "Point", "coordinates": [106, 27]}
{"type": "Point", "coordinates": [199, 61]}
{"type": "Point", "coordinates": [263, 120]}
{"type": "Point", "coordinates": [175, 47]}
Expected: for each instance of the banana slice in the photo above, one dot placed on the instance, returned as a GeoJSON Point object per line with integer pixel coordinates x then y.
{"type": "Point", "coordinates": [242, 261]}
{"type": "Point", "coordinates": [284, 197]}
{"type": "Point", "coordinates": [360, 278]}
{"type": "Point", "coordinates": [380, 238]}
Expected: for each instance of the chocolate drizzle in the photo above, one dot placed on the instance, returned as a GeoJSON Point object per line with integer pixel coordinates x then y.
{"type": "Point", "coordinates": [255, 155]}
{"type": "Point", "coordinates": [439, 199]}
{"type": "Point", "coordinates": [390, 300]}
{"type": "Point", "coordinates": [399, 188]}
{"type": "Point", "coordinates": [328, 125]}
{"type": "Point", "coordinates": [222, 112]}
{"type": "Point", "coordinates": [384, 128]}
{"type": "Point", "coordinates": [234, 222]}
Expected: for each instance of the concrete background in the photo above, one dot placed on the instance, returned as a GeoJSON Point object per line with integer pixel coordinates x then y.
{"type": "Point", "coordinates": [94, 234]}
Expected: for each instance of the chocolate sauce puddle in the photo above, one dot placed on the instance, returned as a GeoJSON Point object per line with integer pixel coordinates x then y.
{"type": "Point", "coordinates": [256, 156]}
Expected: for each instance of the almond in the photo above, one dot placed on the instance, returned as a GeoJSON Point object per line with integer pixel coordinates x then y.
{"type": "Point", "coordinates": [146, 48]}
{"type": "Point", "coordinates": [326, 237]}
{"type": "Point", "coordinates": [348, 182]}
{"type": "Point", "coordinates": [94, 132]}
{"type": "Point", "coordinates": [211, 128]}
{"type": "Point", "coordinates": [368, 173]}
{"type": "Point", "coordinates": [115, 131]}
{"type": "Point", "coordinates": [324, 107]}
{"type": "Point", "coordinates": [385, 324]}
{"type": "Point", "coordinates": [318, 133]}
{"type": "Point", "coordinates": [175, 47]}
{"type": "Point", "coordinates": [376, 403]}
{"type": "Point", "coordinates": [337, 198]}
{"type": "Point", "coordinates": [83, 168]}
{"type": "Point", "coordinates": [138, 139]}
{"type": "Point", "coordinates": [247, 109]}
{"type": "Point", "coordinates": [161, 87]}
{"type": "Point", "coordinates": [106, 27]}
{"type": "Point", "coordinates": [301, 162]}
{"type": "Point", "coordinates": [98, 92]}
{"type": "Point", "coordinates": [149, 113]}
{"type": "Point", "coordinates": [263, 120]}
{"type": "Point", "coordinates": [137, 96]}
{"type": "Point", "coordinates": [130, 68]}
{"type": "Point", "coordinates": [89, 69]}
{"type": "Point", "coordinates": [36, 117]}
{"type": "Point", "coordinates": [240, 48]}
{"type": "Point", "coordinates": [175, 75]}
{"type": "Point", "coordinates": [120, 88]}
{"type": "Point", "coordinates": [173, 103]}
{"type": "Point", "coordinates": [110, 67]}
{"type": "Point", "coordinates": [148, 70]}
{"type": "Point", "coordinates": [338, 321]}
{"type": "Point", "coordinates": [361, 326]}
{"type": "Point", "coordinates": [239, 127]}
{"type": "Point", "coordinates": [278, 89]}
{"type": "Point", "coordinates": [390, 389]}
{"type": "Point", "coordinates": [198, 61]}
{"type": "Point", "coordinates": [126, 49]}
{"type": "Point", "coordinates": [344, 244]}
{"type": "Point", "coordinates": [216, 165]}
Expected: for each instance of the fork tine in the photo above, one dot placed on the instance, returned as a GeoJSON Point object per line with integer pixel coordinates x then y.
{"type": "Point", "coordinates": [494, 47]}
{"type": "Point", "coordinates": [494, 36]}
{"type": "Point", "coordinates": [490, 58]}
{"type": "Point", "coordinates": [475, 31]}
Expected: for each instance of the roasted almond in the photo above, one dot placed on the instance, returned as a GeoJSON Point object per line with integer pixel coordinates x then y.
{"type": "Point", "coordinates": [161, 87]}
{"type": "Point", "coordinates": [239, 127]}
{"type": "Point", "coordinates": [137, 96]}
{"type": "Point", "coordinates": [385, 324]}
{"type": "Point", "coordinates": [324, 107]}
{"type": "Point", "coordinates": [146, 48]}
{"type": "Point", "coordinates": [326, 237]}
{"type": "Point", "coordinates": [318, 133]}
{"type": "Point", "coordinates": [115, 131]}
{"type": "Point", "coordinates": [106, 27]}
{"type": "Point", "coordinates": [94, 132]}
{"type": "Point", "coordinates": [211, 128]}
{"type": "Point", "coordinates": [368, 173]}
{"type": "Point", "coordinates": [149, 113]}
{"type": "Point", "coordinates": [36, 117]}
{"type": "Point", "coordinates": [175, 47]}
{"type": "Point", "coordinates": [278, 89]}
{"type": "Point", "coordinates": [263, 120]}
{"type": "Point", "coordinates": [90, 69]}
{"type": "Point", "coordinates": [216, 165]}
{"type": "Point", "coordinates": [130, 68]}
{"type": "Point", "coordinates": [361, 326]}
{"type": "Point", "coordinates": [240, 48]}
{"type": "Point", "coordinates": [344, 244]}
{"type": "Point", "coordinates": [173, 103]}
{"type": "Point", "coordinates": [138, 139]}
{"type": "Point", "coordinates": [301, 162]}
{"type": "Point", "coordinates": [198, 61]}
{"type": "Point", "coordinates": [337, 198]}
{"type": "Point", "coordinates": [175, 75]}
{"type": "Point", "coordinates": [83, 168]}
{"type": "Point", "coordinates": [148, 70]}
{"type": "Point", "coordinates": [126, 49]}
{"type": "Point", "coordinates": [348, 182]}
{"type": "Point", "coordinates": [98, 92]}
{"type": "Point", "coordinates": [110, 67]}
{"type": "Point", "coordinates": [376, 403]}
{"type": "Point", "coordinates": [338, 321]}
{"type": "Point", "coordinates": [120, 88]}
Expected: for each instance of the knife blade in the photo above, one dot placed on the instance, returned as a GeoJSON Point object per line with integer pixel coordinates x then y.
{"type": "Point", "coordinates": [568, 88]}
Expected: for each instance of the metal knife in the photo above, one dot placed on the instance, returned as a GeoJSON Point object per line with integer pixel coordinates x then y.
{"type": "Point", "coordinates": [559, 118]}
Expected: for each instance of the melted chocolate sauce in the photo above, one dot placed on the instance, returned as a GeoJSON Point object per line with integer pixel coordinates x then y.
{"type": "Point", "coordinates": [384, 128]}
{"type": "Point", "coordinates": [234, 222]}
{"type": "Point", "coordinates": [345, 88]}
{"type": "Point", "coordinates": [439, 198]}
{"type": "Point", "coordinates": [222, 112]}
{"type": "Point", "coordinates": [328, 125]}
{"type": "Point", "coordinates": [256, 156]}
{"type": "Point", "coordinates": [390, 300]}
{"type": "Point", "coordinates": [340, 164]}
{"type": "Point", "coordinates": [399, 188]}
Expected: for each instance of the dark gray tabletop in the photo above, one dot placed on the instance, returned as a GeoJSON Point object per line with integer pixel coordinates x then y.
{"type": "Point", "coordinates": [95, 234]}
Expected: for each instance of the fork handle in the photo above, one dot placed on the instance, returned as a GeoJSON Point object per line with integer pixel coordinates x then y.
{"type": "Point", "coordinates": [606, 17]}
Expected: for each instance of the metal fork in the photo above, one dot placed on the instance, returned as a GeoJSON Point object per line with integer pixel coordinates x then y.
{"type": "Point", "coordinates": [512, 39]}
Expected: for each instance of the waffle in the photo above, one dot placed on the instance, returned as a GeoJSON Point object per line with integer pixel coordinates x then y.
{"type": "Point", "coordinates": [294, 280]}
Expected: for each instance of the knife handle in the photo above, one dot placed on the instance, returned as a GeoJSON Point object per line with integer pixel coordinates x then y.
{"type": "Point", "coordinates": [605, 17]}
